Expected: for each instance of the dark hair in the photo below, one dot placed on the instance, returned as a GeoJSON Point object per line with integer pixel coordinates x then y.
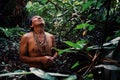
{"type": "Point", "coordinates": [30, 22]}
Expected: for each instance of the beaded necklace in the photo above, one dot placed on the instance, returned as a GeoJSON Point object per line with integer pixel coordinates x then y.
{"type": "Point", "coordinates": [40, 44]}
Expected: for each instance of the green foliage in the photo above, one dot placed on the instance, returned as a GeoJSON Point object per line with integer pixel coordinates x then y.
{"type": "Point", "coordinates": [117, 33]}
{"type": "Point", "coordinates": [87, 5]}
{"type": "Point", "coordinates": [89, 76]}
{"type": "Point", "coordinates": [74, 45]}
{"type": "Point", "coordinates": [65, 18]}
{"type": "Point", "coordinates": [85, 26]}
{"type": "Point", "coordinates": [63, 51]}
{"type": "Point", "coordinates": [62, 16]}
{"type": "Point", "coordinates": [53, 13]}
{"type": "Point", "coordinates": [73, 20]}
{"type": "Point", "coordinates": [34, 8]}
{"type": "Point", "coordinates": [78, 45]}
{"type": "Point", "coordinates": [9, 32]}
{"type": "Point", "coordinates": [75, 65]}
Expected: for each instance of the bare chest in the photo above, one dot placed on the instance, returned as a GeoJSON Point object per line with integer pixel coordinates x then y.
{"type": "Point", "coordinates": [35, 50]}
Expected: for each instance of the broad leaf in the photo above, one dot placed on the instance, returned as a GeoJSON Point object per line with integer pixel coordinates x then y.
{"type": "Point", "coordinates": [74, 45]}
{"type": "Point", "coordinates": [63, 51]}
{"type": "Point", "coordinates": [81, 26]}
{"type": "Point", "coordinates": [87, 5]}
{"type": "Point", "coordinates": [85, 25]}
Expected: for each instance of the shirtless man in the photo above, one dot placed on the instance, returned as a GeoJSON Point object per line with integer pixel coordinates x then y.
{"type": "Point", "coordinates": [36, 46]}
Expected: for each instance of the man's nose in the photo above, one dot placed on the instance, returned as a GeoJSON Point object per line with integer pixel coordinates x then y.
{"type": "Point", "coordinates": [39, 18]}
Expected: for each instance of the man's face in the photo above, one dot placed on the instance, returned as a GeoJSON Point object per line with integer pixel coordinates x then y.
{"type": "Point", "coordinates": [38, 21]}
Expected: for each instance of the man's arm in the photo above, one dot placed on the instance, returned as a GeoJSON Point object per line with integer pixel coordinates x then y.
{"type": "Point", "coordinates": [54, 46]}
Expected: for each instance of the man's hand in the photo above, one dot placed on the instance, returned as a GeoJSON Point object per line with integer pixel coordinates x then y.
{"type": "Point", "coordinates": [47, 59]}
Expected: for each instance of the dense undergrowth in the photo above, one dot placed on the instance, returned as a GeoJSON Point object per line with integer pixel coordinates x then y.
{"type": "Point", "coordinates": [76, 24]}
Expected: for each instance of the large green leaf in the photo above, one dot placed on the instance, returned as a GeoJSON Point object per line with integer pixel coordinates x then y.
{"type": "Point", "coordinates": [63, 51]}
{"type": "Point", "coordinates": [85, 25]}
{"type": "Point", "coordinates": [15, 73]}
{"type": "Point", "coordinates": [74, 45]}
{"type": "Point", "coordinates": [82, 41]}
{"type": "Point", "coordinates": [87, 5]}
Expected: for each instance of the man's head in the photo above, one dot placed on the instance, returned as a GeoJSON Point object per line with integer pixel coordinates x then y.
{"type": "Point", "coordinates": [37, 21]}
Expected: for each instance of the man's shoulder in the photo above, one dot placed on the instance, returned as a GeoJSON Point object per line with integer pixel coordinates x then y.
{"type": "Point", "coordinates": [49, 34]}
{"type": "Point", "coordinates": [27, 34]}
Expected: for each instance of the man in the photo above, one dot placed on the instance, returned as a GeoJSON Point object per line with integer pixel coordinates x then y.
{"type": "Point", "coordinates": [36, 46]}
